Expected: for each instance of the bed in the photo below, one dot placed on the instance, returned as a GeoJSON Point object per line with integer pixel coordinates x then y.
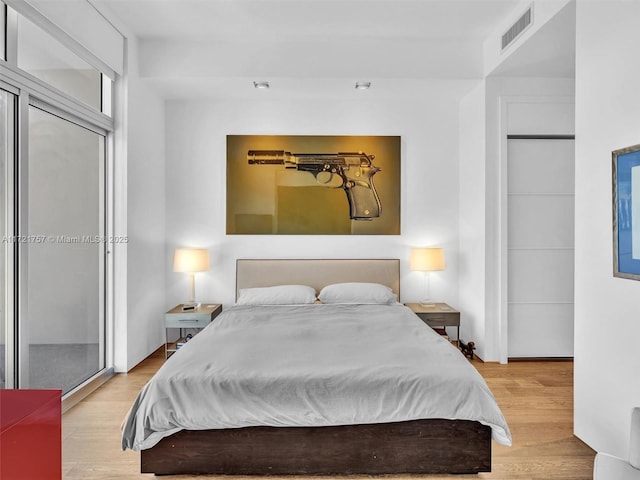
{"type": "Point", "coordinates": [306, 388]}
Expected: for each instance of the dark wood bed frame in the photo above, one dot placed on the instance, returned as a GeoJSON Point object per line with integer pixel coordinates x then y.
{"type": "Point", "coordinates": [417, 446]}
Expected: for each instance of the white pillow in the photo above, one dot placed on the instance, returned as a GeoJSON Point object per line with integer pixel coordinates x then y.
{"type": "Point", "coordinates": [354, 292]}
{"type": "Point", "coordinates": [278, 295]}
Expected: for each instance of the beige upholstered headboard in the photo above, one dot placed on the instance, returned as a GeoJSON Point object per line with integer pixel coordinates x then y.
{"type": "Point", "coordinates": [316, 273]}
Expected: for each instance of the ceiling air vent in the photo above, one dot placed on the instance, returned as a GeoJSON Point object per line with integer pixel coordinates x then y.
{"type": "Point", "coordinates": [516, 29]}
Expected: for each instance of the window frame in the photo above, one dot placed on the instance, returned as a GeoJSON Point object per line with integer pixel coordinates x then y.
{"type": "Point", "coordinates": [31, 91]}
{"type": "Point", "coordinates": [53, 95]}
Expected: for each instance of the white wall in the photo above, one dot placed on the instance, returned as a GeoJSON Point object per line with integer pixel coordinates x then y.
{"type": "Point", "coordinates": [145, 224]}
{"type": "Point", "coordinates": [607, 309]}
{"type": "Point", "coordinates": [196, 165]}
{"type": "Point", "coordinates": [472, 217]}
{"type": "Point", "coordinates": [139, 279]}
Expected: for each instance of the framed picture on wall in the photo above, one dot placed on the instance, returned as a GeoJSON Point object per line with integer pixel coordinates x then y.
{"type": "Point", "coordinates": [626, 212]}
{"type": "Point", "coordinates": [313, 185]}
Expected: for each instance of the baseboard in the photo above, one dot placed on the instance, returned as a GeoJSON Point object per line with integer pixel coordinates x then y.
{"type": "Point", "coordinates": [540, 359]}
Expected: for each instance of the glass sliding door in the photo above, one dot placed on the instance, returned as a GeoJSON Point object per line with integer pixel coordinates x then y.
{"type": "Point", "coordinates": [7, 159]}
{"type": "Point", "coordinates": [56, 130]}
{"type": "Point", "coordinates": [62, 291]}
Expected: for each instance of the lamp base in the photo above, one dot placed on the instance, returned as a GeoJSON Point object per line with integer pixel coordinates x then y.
{"type": "Point", "coordinates": [427, 305]}
{"type": "Point", "coordinates": [190, 306]}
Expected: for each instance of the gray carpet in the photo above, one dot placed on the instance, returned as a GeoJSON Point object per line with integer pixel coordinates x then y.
{"type": "Point", "coordinates": [62, 366]}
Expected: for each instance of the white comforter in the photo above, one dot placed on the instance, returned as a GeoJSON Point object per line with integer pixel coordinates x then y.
{"type": "Point", "coordinates": [313, 365]}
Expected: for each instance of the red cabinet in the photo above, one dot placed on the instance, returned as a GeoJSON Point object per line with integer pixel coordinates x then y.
{"type": "Point", "coordinates": [30, 434]}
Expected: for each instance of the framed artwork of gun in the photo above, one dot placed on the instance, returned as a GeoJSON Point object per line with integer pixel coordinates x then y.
{"type": "Point", "coordinates": [332, 192]}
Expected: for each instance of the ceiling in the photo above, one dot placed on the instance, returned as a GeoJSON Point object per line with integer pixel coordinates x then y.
{"type": "Point", "coordinates": [322, 19]}
{"type": "Point", "coordinates": [199, 47]}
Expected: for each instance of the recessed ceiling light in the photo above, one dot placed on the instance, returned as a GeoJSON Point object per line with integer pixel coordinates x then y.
{"type": "Point", "coordinates": [261, 84]}
{"type": "Point", "coordinates": [363, 85]}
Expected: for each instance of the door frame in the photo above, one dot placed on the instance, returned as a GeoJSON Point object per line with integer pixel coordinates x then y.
{"type": "Point", "coordinates": [9, 247]}
{"type": "Point", "coordinates": [502, 313]}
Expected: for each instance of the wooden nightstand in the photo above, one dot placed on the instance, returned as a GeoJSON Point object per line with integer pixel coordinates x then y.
{"type": "Point", "coordinates": [176, 318]}
{"type": "Point", "coordinates": [438, 315]}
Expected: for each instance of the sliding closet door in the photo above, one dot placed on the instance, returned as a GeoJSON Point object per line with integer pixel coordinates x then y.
{"type": "Point", "coordinates": [7, 158]}
{"type": "Point", "coordinates": [540, 247]}
{"type": "Point", "coordinates": [62, 289]}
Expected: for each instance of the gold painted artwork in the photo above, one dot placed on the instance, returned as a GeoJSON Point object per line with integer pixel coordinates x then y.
{"type": "Point", "coordinates": [313, 185]}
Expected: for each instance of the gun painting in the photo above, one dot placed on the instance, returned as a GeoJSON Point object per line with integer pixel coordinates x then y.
{"type": "Point", "coordinates": [355, 172]}
{"type": "Point", "coordinates": [275, 187]}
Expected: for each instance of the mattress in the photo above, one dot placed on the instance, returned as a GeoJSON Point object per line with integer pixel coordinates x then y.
{"type": "Point", "coordinates": [310, 365]}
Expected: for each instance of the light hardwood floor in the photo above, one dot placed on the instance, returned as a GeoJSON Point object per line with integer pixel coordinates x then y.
{"type": "Point", "coordinates": [536, 399]}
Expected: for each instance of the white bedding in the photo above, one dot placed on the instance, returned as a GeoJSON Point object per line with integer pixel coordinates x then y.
{"type": "Point", "coordinates": [310, 365]}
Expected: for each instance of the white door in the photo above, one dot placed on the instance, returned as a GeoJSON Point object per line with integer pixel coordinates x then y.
{"type": "Point", "coordinates": [540, 247]}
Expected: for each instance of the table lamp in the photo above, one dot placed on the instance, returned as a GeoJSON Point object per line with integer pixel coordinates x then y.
{"type": "Point", "coordinates": [426, 260]}
{"type": "Point", "coordinates": [190, 261]}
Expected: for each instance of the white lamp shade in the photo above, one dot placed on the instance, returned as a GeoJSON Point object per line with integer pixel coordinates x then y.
{"type": "Point", "coordinates": [426, 259]}
{"type": "Point", "coordinates": [191, 260]}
